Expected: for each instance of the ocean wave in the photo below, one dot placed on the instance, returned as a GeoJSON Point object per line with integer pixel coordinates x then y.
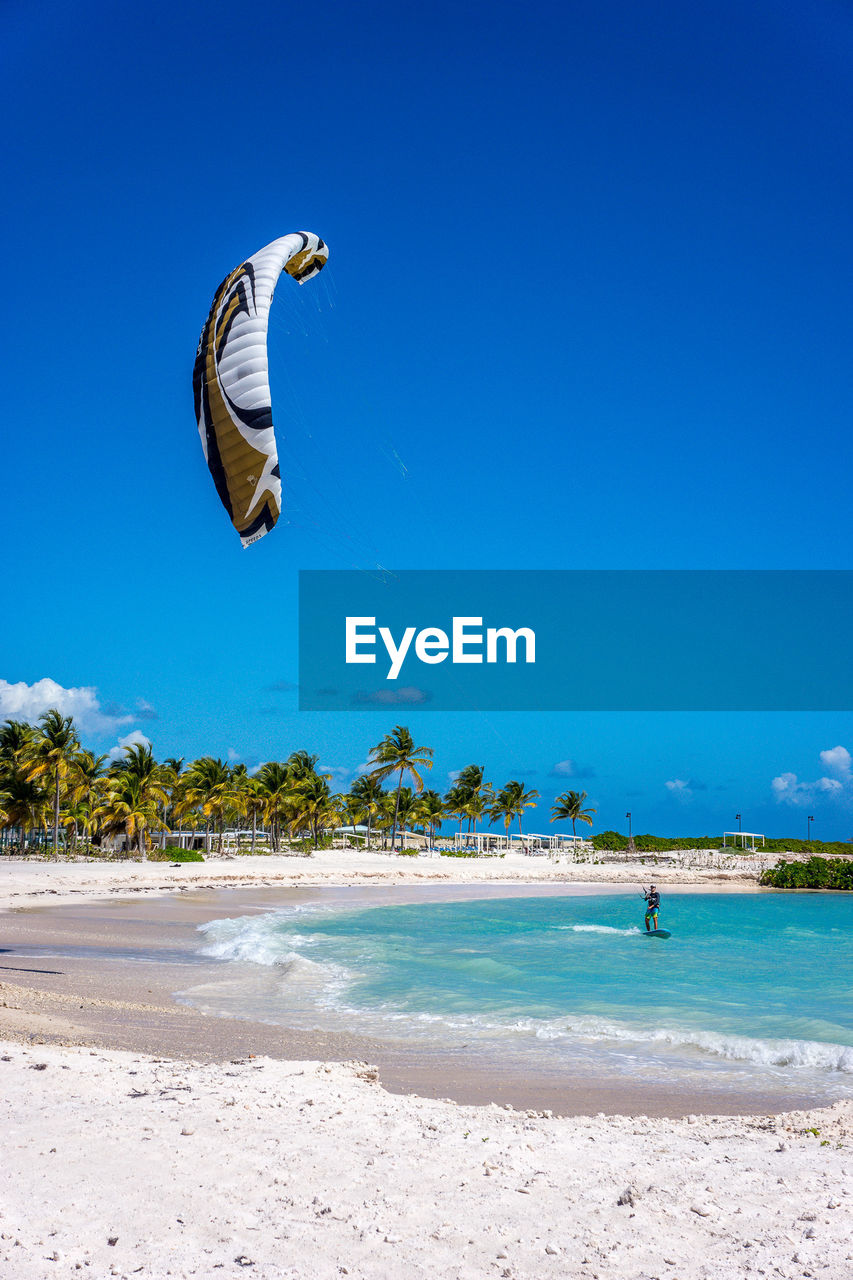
{"type": "Point", "coordinates": [814, 1055]}
{"type": "Point", "coordinates": [599, 928]}
{"type": "Point", "coordinates": [257, 939]}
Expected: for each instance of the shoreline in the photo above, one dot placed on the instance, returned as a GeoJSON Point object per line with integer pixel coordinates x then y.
{"type": "Point", "coordinates": [25, 882]}
{"type": "Point", "coordinates": [124, 965]}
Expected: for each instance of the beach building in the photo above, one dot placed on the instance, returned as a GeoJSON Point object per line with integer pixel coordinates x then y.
{"type": "Point", "coordinates": [484, 843]}
{"type": "Point", "coordinates": [739, 839]}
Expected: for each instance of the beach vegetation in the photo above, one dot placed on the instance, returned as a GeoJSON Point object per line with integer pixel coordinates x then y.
{"type": "Point", "coordinates": [615, 841]}
{"type": "Point", "coordinates": [569, 807]}
{"type": "Point", "coordinates": [815, 873]}
{"type": "Point", "coordinates": [470, 796]}
{"type": "Point", "coordinates": [467, 853]}
{"type": "Point", "coordinates": [431, 811]}
{"type": "Point", "coordinates": [134, 798]}
{"type": "Point", "coordinates": [50, 756]}
{"type": "Point", "coordinates": [172, 854]}
{"type": "Point", "coordinates": [209, 785]}
{"type": "Point", "coordinates": [57, 796]}
{"type": "Point", "coordinates": [511, 802]}
{"type": "Point", "coordinates": [397, 754]}
{"type": "Point", "coordinates": [367, 796]}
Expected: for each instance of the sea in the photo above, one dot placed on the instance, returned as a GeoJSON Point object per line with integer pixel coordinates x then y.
{"type": "Point", "coordinates": [750, 991]}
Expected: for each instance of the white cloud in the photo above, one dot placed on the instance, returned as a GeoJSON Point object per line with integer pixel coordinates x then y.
{"type": "Point", "coordinates": [134, 739]}
{"type": "Point", "coordinates": [838, 761]}
{"type": "Point", "coordinates": [341, 774]}
{"type": "Point", "coordinates": [28, 701]}
{"type": "Point", "coordinates": [680, 787]}
{"type": "Point", "coordinates": [406, 696]}
{"type": "Point", "coordinates": [788, 789]}
{"type": "Point", "coordinates": [571, 769]}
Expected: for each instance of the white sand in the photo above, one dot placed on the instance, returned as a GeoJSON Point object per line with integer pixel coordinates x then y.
{"type": "Point", "coordinates": [119, 1165]}
{"type": "Point", "coordinates": [27, 883]}
{"type": "Point", "coordinates": [116, 1164]}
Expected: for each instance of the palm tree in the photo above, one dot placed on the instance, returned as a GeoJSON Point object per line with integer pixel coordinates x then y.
{"type": "Point", "coordinates": [276, 791]}
{"type": "Point", "coordinates": [368, 794]}
{"type": "Point", "coordinates": [301, 764]}
{"type": "Point", "coordinates": [15, 738]}
{"type": "Point", "coordinates": [408, 810]}
{"type": "Point", "coordinates": [22, 800]}
{"type": "Point", "coordinates": [132, 804]}
{"type": "Point", "coordinates": [53, 749]}
{"type": "Point", "coordinates": [474, 793]}
{"type": "Point", "coordinates": [353, 809]}
{"type": "Point", "coordinates": [432, 810]}
{"type": "Point", "coordinates": [313, 802]}
{"type": "Point", "coordinates": [397, 753]}
{"type": "Point", "coordinates": [569, 807]}
{"type": "Point", "coordinates": [454, 805]}
{"type": "Point", "coordinates": [250, 798]}
{"type": "Point", "coordinates": [26, 804]}
{"type": "Point", "coordinates": [209, 785]}
{"type": "Point", "coordinates": [511, 802]}
{"type": "Point", "coordinates": [172, 772]}
{"type": "Point", "coordinates": [86, 791]}
{"type": "Point", "coordinates": [474, 806]}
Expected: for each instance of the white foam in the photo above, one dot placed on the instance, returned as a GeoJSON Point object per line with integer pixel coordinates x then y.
{"type": "Point", "coordinates": [256, 939]}
{"type": "Point", "coordinates": [599, 928]}
{"type": "Point", "coordinates": [813, 1055]}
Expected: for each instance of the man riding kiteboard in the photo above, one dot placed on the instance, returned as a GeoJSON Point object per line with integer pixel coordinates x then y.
{"type": "Point", "coordinates": [652, 898]}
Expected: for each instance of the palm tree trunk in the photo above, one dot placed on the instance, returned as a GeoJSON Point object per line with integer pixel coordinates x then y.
{"type": "Point", "coordinates": [56, 818]}
{"type": "Point", "coordinates": [254, 828]}
{"type": "Point", "coordinates": [396, 811]}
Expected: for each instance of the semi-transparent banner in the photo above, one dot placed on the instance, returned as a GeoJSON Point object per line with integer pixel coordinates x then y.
{"type": "Point", "coordinates": [576, 640]}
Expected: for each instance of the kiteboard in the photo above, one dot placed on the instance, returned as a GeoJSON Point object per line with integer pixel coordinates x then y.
{"type": "Point", "coordinates": [656, 933]}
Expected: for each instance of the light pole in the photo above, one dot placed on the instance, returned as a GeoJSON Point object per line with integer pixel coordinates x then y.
{"type": "Point", "coordinates": [809, 821]}
{"type": "Point", "coordinates": [628, 816]}
{"type": "Point", "coordinates": [737, 820]}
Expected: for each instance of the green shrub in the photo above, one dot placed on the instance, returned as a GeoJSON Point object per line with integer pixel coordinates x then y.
{"type": "Point", "coordinates": [171, 854]}
{"type": "Point", "coordinates": [816, 873]}
{"type": "Point", "coordinates": [468, 853]}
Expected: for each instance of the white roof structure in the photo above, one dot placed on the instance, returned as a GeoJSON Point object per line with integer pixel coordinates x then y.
{"type": "Point", "coordinates": [743, 836]}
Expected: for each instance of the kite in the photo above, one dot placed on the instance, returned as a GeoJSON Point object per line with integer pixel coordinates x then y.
{"type": "Point", "coordinates": [233, 405]}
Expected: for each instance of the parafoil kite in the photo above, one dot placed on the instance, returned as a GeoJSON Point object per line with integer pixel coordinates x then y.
{"type": "Point", "coordinates": [233, 404]}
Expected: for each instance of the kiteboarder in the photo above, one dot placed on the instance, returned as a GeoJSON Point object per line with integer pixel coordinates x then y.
{"type": "Point", "coordinates": [652, 898]}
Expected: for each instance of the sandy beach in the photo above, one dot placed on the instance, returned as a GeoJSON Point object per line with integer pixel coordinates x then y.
{"type": "Point", "coordinates": [143, 1137]}
{"type": "Point", "coordinates": [29, 882]}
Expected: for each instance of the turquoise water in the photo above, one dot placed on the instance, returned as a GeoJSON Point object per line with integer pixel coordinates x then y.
{"type": "Point", "coordinates": [750, 988]}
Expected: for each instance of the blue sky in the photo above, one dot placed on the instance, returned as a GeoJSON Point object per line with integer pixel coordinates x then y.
{"type": "Point", "coordinates": [588, 306]}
